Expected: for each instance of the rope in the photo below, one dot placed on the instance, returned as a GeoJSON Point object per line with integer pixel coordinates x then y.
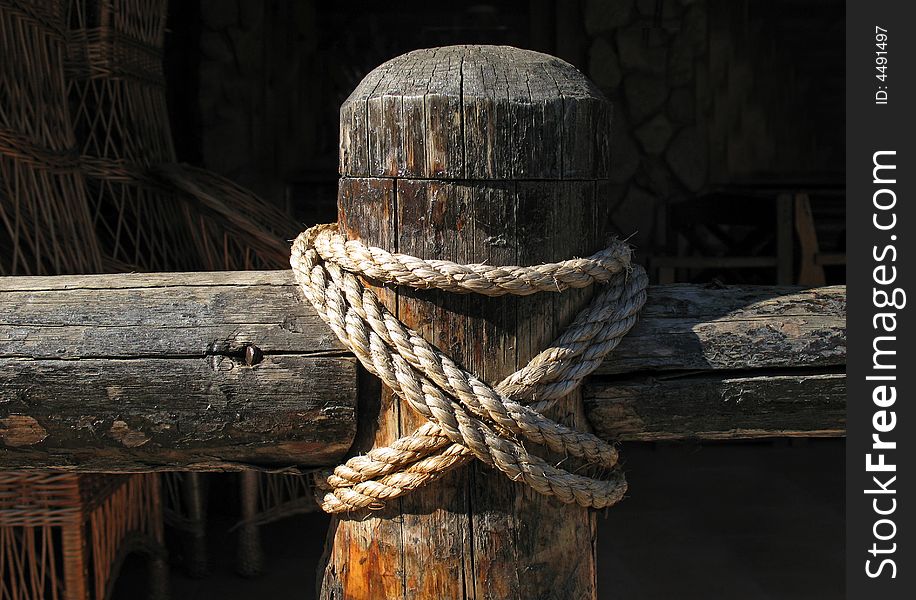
{"type": "Point", "coordinates": [466, 417]}
{"type": "Point", "coordinates": [487, 280]}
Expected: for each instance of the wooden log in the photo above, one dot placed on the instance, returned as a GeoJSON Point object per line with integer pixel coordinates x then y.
{"type": "Point", "coordinates": [53, 327]}
{"type": "Point", "coordinates": [695, 328]}
{"type": "Point", "coordinates": [515, 158]}
{"type": "Point", "coordinates": [192, 371]}
{"type": "Point", "coordinates": [732, 406]}
{"type": "Point", "coordinates": [738, 362]}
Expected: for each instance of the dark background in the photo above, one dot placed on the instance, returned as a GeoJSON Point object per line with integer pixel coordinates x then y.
{"type": "Point", "coordinates": [721, 106]}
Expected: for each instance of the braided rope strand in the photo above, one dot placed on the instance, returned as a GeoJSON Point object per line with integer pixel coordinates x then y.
{"type": "Point", "coordinates": [488, 280]}
{"type": "Point", "coordinates": [466, 417]}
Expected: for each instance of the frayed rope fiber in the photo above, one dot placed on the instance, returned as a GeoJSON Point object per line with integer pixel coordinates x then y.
{"type": "Point", "coordinates": [467, 418]}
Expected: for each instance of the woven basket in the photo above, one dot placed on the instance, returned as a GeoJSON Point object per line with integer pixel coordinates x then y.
{"type": "Point", "coordinates": [64, 535]}
{"type": "Point", "coordinates": [46, 225]}
{"type": "Point", "coordinates": [88, 174]}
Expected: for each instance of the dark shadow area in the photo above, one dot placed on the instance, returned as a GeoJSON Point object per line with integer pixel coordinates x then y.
{"type": "Point", "coordinates": [754, 520]}
{"type": "Point", "coordinates": [737, 520]}
{"type": "Point", "coordinates": [292, 549]}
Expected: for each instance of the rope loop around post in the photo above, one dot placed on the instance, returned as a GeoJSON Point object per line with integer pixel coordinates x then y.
{"type": "Point", "coordinates": [466, 417]}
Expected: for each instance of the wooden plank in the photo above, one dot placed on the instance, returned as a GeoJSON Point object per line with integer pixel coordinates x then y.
{"type": "Point", "coordinates": [681, 327]}
{"type": "Point", "coordinates": [712, 407]}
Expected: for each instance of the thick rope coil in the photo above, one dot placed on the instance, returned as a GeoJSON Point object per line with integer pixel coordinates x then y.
{"type": "Point", "coordinates": [467, 417]}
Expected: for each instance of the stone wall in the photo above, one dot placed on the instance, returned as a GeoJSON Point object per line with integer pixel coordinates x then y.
{"type": "Point", "coordinates": [646, 55]}
{"type": "Point", "coordinates": [706, 92]}
{"type": "Point", "coordinates": [715, 93]}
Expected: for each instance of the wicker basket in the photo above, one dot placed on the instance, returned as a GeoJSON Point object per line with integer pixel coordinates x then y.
{"type": "Point", "coordinates": [65, 536]}
{"type": "Point", "coordinates": [151, 213]}
{"type": "Point", "coordinates": [45, 223]}
{"type": "Point", "coordinates": [89, 183]}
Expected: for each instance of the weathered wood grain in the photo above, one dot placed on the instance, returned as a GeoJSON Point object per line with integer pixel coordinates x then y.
{"type": "Point", "coordinates": [502, 165]}
{"type": "Point", "coordinates": [472, 512]}
{"type": "Point", "coordinates": [66, 331]}
{"type": "Point", "coordinates": [475, 112]}
{"type": "Point", "coordinates": [689, 327]}
{"type": "Point", "coordinates": [133, 413]}
{"type": "Point", "coordinates": [711, 406]}
{"type": "Point", "coordinates": [157, 315]}
{"type": "Point", "coordinates": [682, 326]}
{"type": "Point", "coordinates": [203, 371]}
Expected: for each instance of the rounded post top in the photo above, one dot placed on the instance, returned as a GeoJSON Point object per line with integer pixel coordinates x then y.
{"type": "Point", "coordinates": [475, 112]}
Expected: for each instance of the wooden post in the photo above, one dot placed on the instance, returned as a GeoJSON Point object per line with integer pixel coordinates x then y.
{"type": "Point", "coordinates": [472, 154]}
{"type": "Point", "coordinates": [250, 555]}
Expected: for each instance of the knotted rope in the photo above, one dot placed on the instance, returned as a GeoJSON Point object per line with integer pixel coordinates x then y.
{"type": "Point", "coordinates": [466, 417]}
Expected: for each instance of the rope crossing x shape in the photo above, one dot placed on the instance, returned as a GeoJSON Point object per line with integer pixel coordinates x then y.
{"type": "Point", "coordinates": [466, 417]}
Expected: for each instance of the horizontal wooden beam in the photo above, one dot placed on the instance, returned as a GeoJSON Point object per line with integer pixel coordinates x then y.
{"type": "Point", "coordinates": [718, 406]}
{"type": "Point", "coordinates": [720, 363]}
{"type": "Point", "coordinates": [219, 370]}
{"type": "Point", "coordinates": [190, 370]}
{"type": "Point", "coordinates": [708, 328]}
